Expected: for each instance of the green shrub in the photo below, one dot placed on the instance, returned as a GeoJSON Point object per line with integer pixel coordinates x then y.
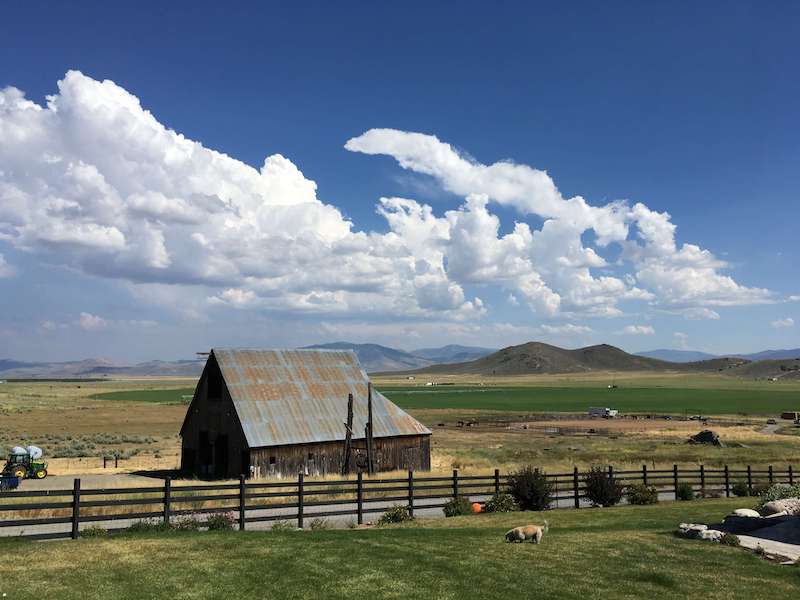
{"type": "Point", "coordinates": [94, 531]}
{"type": "Point", "coordinates": [457, 506]}
{"type": "Point", "coordinates": [739, 488]}
{"type": "Point", "coordinates": [779, 491]}
{"type": "Point", "coordinates": [220, 522]}
{"type": "Point", "coordinates": [395, 514]}
{"type": "Point", "coordinates": [641, 494]}
{"type": "Point", "coordinates": [728, 539]}
{"type": "Point", "coordinates": [684, 491]}
{"type": "Point", "coordinates": [319, 524]}
{"type": "Point", "coordinates": [283, 526]}
{"type": "Point", "coordinates": [530, 489]}
{"type": "Point", "coordinates": [500, 503]}
{"type": "Point", "coordinates": [602, 489]}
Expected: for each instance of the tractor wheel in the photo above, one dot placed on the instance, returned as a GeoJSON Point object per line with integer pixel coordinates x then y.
{"type": "Point", "coordinates": [19, 472]}
{"type": "Point", "coordinates": [41, 473]}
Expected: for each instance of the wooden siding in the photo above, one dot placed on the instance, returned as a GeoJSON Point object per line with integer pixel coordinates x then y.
{"type": "Point", "coordinates": [404, 452]}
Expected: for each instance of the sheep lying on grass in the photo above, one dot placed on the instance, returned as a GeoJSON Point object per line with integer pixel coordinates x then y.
{"type": "Point", "coordinates": [534, 533]}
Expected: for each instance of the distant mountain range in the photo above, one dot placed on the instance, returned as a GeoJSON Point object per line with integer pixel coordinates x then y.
{"type": "Point", "coordinates": [96, 368]}
{"type": "Point", "coordinates": [682, 356]}
{"type": "Point", "coordinates": [538, 358]}
{"type": "Point", "coordinates": [375, 358]}
{"type": "Point", "coordinates": [530, 358]}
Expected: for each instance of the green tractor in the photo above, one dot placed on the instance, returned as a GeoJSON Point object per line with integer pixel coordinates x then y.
{"type": "Point", "coordinates": [25, 463]}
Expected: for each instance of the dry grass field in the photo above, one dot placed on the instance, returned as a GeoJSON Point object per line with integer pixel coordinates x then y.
{"type": "Point", "coordinates": [135, 421]}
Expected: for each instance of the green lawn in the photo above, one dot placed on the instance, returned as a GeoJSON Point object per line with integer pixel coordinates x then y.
{"type": "Point", "coordinates": [579, 399]}
{"type": "Point", "coordinates": [173, 396]}
{"type": "Point", "coordinates": [623, 552]}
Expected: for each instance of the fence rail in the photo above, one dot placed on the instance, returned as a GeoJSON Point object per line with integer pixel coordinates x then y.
{"type": "Point", "coordinates": [258, 502]}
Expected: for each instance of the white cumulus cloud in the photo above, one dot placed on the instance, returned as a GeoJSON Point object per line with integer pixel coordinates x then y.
{"type": "Point", "coordinates": [92, 181]}
{"type": "Point", "coordinates": [637, 330]}
{"type": "Point", "coordinates": [783, 323]}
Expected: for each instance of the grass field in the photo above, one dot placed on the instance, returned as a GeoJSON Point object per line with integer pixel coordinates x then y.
{"type": "Point", "coordinates": [666, 400]}
{"type": "Point", "coordinates": [90, 419]}
{"type": "Point", "coordinates": [623, 552]}
{"type": "Point", "coordinates": [579, 399]}
{"type": "Point", "coordinates": [157, 396]}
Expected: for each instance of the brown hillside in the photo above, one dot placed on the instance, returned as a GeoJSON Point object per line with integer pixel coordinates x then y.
{"type": "Point", "coordinates": [536, 357]}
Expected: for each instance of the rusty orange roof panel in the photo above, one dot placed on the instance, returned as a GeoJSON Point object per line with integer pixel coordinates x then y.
{"type": "Point", "coordinates": [287, 397]}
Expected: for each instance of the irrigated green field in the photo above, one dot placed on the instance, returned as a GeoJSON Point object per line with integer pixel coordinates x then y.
{"type": "Point", "coordinates": [622, 552]}
{"type": "Point", "coordinates": [578, 399]}
{"type": "Point", "coordinates": [171, 396]}
{"type": "Point", "coordinates": [658, 400]}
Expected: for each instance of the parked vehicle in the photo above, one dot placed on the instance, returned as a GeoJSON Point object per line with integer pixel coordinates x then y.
{"type": "Point", "coordinates": [25, 463]}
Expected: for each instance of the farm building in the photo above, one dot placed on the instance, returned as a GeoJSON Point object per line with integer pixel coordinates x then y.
{"type": "Point", "coordinates": [280, 412]}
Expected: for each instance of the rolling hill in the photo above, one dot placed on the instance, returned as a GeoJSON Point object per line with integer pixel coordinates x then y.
{"type": "Point", "coordinates": [536, 357]}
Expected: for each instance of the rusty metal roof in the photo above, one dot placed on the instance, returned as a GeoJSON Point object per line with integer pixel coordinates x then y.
{"type": "Point", "coordinates": [300, 396]}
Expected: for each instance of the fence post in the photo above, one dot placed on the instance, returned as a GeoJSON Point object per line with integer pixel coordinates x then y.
{"type": "Point", "coordinates": [360, 498]}
{"type": "Point", "coordinates": [242, 504]}
{"type": "Point", "coordinates": [610, 472]}
{"type": "Point", "coordinates": [749, 480]}
{"type": "Point", "coordinates": [76, 508]}
{"type": "Point", "coordinates": [104, 461]}
{"type": "Point", "coordinates": [770, 474]}
{"type": "Point", "coordinates": [575, 487]}
{"type": "Point", "coordinates": [644, 475]}
{"type": "Point", "coordinates": [675, 479]}
{"type": "Point", "coordinates": [791, 476]}
{"type": "Point", "coordinates": [727, 483]}
{"type": "Point", "coordinates": [300, 500]}
{"type": "Point", "coordinates": [167, 499]}
{"type": "Point", "coordinates": [702, 479]}
{"type": "Point", "coordinates": [116, 461]}
{"type": "Point", "coordinates": [497, 481]}
{"type": "Point", "coordinates": [455, 483]}
{"type": "Point", "coordinates": [411, 492]}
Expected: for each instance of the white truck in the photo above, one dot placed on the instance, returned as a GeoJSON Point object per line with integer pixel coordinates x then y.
{"type": "Point", "coordinates": [604, 412]}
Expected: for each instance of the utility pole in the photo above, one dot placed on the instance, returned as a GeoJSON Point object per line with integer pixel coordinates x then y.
{"type": "Point", "coordinates": [348, 438]}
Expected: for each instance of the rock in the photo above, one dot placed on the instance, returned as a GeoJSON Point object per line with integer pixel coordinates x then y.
{"type": "Point", "coordinates": [691, 530]}
{"type": "Point", "coordinates": [789, 506]}
{"type": "Point", "coordinates": [706, 437]}
{"type": "Point", "coordinates": [746, 512]}
{"type": "Point", "coordinates": [710, 535]}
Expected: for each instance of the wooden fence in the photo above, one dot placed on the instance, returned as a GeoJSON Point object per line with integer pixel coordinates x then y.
{"type": "Point", "coordinates": [56, 514]}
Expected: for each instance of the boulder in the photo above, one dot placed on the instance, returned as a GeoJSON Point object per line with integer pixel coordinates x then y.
{"type": "Point", "coordinates": [706, 437]}
{"type": "Point", "coordinates": [789, 506]}
{"type": "Point", "coordinates": [746, 512]}
{"type": "Point", "coordinates": [691, 530]}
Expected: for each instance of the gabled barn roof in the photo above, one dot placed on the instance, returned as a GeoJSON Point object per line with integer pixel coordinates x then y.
{"type": "Point", "coordinates": [300, 396]}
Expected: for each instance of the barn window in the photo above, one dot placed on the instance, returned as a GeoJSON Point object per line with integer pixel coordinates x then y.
{"type": "Point", "coordinates": [310, 456]}
{"type": "Point", "coordinates": [272, 460]}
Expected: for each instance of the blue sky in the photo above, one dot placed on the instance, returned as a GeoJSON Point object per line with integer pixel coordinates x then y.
{"type": "Point", "coordinates": [690, 110]}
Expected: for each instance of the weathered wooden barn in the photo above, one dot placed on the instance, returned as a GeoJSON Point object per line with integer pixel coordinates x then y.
{"type": "Point", "coordinates": [280, 412]}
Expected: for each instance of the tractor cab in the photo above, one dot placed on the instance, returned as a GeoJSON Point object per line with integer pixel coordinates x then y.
{"type": "Point", "coordinates": [25, 463]}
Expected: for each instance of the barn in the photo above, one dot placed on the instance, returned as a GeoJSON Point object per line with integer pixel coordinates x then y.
{"type": "Point", "coordinates": [265, 413]}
